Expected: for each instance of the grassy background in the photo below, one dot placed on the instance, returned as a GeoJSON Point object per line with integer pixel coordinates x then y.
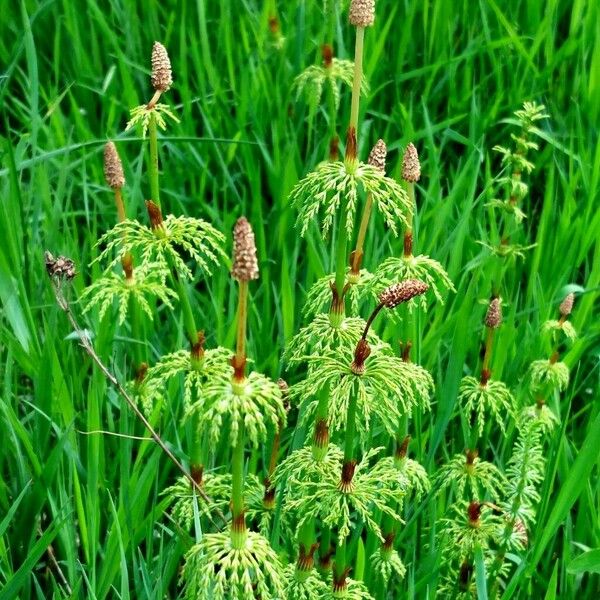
{"type": "Point", "coordinates": [444, 74]}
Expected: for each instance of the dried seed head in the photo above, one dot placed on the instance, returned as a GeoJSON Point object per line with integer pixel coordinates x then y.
{"type": "Point", "coordinates": [411, 167]}
{"type": "Point", "coordinates": [245, 265]}
{"type": "Point", "coordinates": [362, 13]}
{"type": "Point", "coordinates": [493, 317]}
{"type": "Point", "coordinates": [284, 388]}
{"type": "Point", "coordinates": [402, 292]}
{"type": "Point", "coordinates": [161, 77]}
{"type": "Point", "coordinates": [59, 268]}
{"type": "Point", "coordinates": [566, 306]}
{"type": "Point", "coordinates": [377, 155]}
{"type": "Point", "coordinates": [113, 168]}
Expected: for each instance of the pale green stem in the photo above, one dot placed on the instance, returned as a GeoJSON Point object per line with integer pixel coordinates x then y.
{"type": "Point", "coordinates": [341, 253]}
{"type": "Point", "coordinates": [362, 234]}
{"type": "Point", "coordinates": [153, 166]}
{"type": "Point", "coordinates": [242, 315]}
{"type": "Point", "coordinates": [349, 435]}
{"type": "Point", "coordinates": [508, 528]}
{"type": "Point", "coordinates": [358, 72]}
{"type": "Point", "coordinates": [238, 525]}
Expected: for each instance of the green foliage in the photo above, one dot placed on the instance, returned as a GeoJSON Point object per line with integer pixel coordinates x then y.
{"type": "Point", "coordinates": [481, 399]}
{"type": "Point", "coordinates": [413, 477]}
{"type": "Point", "coordinates": [373, 487]}
{"type": "Point", "coordinates": [388, 389]}
{"type": "Point", "coordinates": [312, 81]}
{"type": "Point", "coordinates": [250, 405]}
{"type": "Point", "coordinates": [321, 337]}
{"type": "Point", "coordinates": [200, 240]}
{"type": "Point", "coordinates": [420, 267]}
{"type": "Point", "coordinates": [147, 284]}
{"type": "Point", "coordinates": [142, 115]}
{"type": "Point", "coordinates": [322, 192]}
{"type": "Point", "coordinates": [549, 373]}
{"type": "Point", "coordinates": [319, 295]}
{"type": "Point", "coordinates": [461, 534]}
{"type": "Point", "coordinates": [312, 587]}
{"type": "Point", "coordinates": [471, 480]}
{"type": "Point", "coordinates": [301, 468]}
{"type": "Point", "coordinates": [524, 472]}
{"type": "Point", "coordinates": [185, 501]}
{"type": "Point", "coordinates": [215, 567]}
{"type": "Point", "coordinates": [565, 327]}
{"type": "Point", "coordinates": [387, 563]}
{"type": "Point", "coordinates": [441, 76]}
{"type": "Point", "coordinates": [214, 365]}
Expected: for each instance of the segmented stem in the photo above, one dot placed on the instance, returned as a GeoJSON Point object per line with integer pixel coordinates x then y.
{"type": "Point", "coordinates": [153, 166]}
{"type": "Point", "coordinates": [362, 233]}
{"type": "Point", "coordinates": [357, 78]}
{"type": "Point", "coordinates": [238, 524]}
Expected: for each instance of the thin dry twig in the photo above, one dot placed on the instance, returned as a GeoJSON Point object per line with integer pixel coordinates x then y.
{"type": "Point", "coordinates": [86, 344]}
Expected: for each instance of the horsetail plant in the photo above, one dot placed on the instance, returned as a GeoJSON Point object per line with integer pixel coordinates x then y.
{"type": "Point", "coordinates": [139, 285]}
{"type": "Point", "coordinates": [344, 487]}
{"type": "Point", "coordinates": [241, 563]}
{"type": "Point", "coordinates": [479, 399]}
{"type": "Point", "coordinates": [152, 115]}
{"type": "Point", "coordinates": [515, 164]}
{"type": "Point", "coordinates": [553, 373]}
{"type": "Point", "coordinates": [409, 266]}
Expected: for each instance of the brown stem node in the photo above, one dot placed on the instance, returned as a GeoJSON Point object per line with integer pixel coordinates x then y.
{"type": "Point", "coordinates": [155, 215]}
{"type": "Point", "coordinates": [321, 439]}
{"type": "Point", "coordinates": [486, 375]}
{"type": "Point", "coordinates": [327, 53]}
{"type": "Point", "coordinates": [339, 581]}
{"type": "Point", "coordinates": [361, 354]}
{"type": "Point", "coordinates": [334, 148]}
{"type": "Point", "coordinates": [198, 347]}
{"type": "Point", "coordinates": [197, 473]}
{"type": "Point", "coordinates": [408, 243]}
{"type": "Point", "coordinates": [351, 145]}
{"type": "Point", "coordinates": [238, 523]}
{"type": "Point", "coordinates": [239, 368]}
{"type": "Point", "coordinates": [402, 448]}
{"type": "Point", "coordinates": [348, 469]}
{"type": "Point", "coordinates": [306, 559]}
{"type": "Point", "coordinates": [388, 540]}
{"type": "Point", "coordinates": [474, 513]}
{"type": "Point", "coordinates": [405, 348]}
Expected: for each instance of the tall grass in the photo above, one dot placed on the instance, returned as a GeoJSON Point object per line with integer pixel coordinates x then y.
{"type": "Point", "coordinates": [81, 513]}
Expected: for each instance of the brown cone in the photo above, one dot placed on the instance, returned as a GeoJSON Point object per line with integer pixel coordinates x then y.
{"type": "Point", "coordinates": [245, 265]}
{"type": "Point", "coordinates": [113, 168]}
{"type": "Point", "coordinates": [566, 306]}
{"type": "Point", "coordinates": [378, 155]}
{"type": "Point", "coordinates": [411, 167]}
{"type": "Point", "coordinates": [161, 77]}
{"type": "Point", "coordinates": [402, 292]}
{"type": "Point", "coordinates": [362, 13]}
{"type": "Point", "coordinates": [493, 317]}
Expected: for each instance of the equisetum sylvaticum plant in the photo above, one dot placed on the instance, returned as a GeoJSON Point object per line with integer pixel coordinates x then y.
{"type": "Point", "coordinates": [320, 507]}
